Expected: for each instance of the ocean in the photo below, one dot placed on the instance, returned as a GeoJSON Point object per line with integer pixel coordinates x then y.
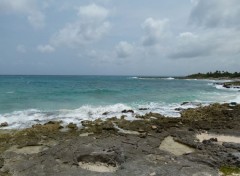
{"type": "Point", "coordinates": [27, 100]}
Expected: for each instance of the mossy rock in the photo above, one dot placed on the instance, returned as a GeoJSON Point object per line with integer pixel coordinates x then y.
{"type": "Point", "coordinates": [230, 171]}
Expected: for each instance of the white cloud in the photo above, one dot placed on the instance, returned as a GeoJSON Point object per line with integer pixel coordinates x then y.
{"type": "Point", "coordinates": [45, 48]}
{"type": "Point", "coordinates": [217, 43]}
{"type": "Point", "coordinates": [21, 49]}
{"type": "Point", "coordinates": [90, 27]}
{"type": "Point", "coordinates": [26, 7]}
{"type": "Point", "coordinates": [124, 49]}
{"type": "Point", "coordinates": [93, 12]}
{"type": "Point", "coordinates": [154, 31]}
{"type": "Point", "coordinates": [187, 35]}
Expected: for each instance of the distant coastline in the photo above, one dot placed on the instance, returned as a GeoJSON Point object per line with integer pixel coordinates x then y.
{"type": "Point", "coordinates": [221, 75]}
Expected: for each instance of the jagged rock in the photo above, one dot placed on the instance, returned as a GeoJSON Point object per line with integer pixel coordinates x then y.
{"type": "Point", "coordinates": [86, 123]}
{"type": "Point", "coordinates": [141, 130]}
{"type": "Point", "coordinates": [108, 126]}
{"type": "Point", "coordinates": [4, 124]}
{"type": "Point", "coordinates": [127, 111]}
{"type": "Point", "coordinates": [53, 122]}
{"type": "Point", "coordinates": [72, 126]}
{"type": "Point", "coordinates": [178, 109]}
{"type": "Point", "coordinates": [231, 145]}
{"type": "Point", "coordinates": [105, 113]}
{"type": "Point", "coordinates": [122, 117]}
{"type": "Point", "coordinates": [1, 162]}
{"type": "Point", "coordinates": [233, 104]}
{"type": "Point", "coordinates": [210, 141]}
{"type": "Point", "coordinates": [143, 109]}
{"type": "Point", "coordinates": [143, 135]}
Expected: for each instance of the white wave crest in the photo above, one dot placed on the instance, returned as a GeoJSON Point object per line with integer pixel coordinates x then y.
{"type": "Point", "coordinates": [27, 118]}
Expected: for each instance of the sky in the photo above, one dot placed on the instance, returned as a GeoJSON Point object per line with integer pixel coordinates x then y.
{"type": "Point", "coordinates": [110, 37]}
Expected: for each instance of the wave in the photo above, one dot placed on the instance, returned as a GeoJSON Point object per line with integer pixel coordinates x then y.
{"type": "Point", "coordinates": [99, 91]}
{"type": "Point", "coordinates": [10, 92]}
{"type": "Point", "coordinates": [169, 78]}
{"type": "Point", "coordinates": [152, 78]}
{"type": "Point", "coordinates": [221, 87]}
{"type": "Point", "coordinates": [27, 118]}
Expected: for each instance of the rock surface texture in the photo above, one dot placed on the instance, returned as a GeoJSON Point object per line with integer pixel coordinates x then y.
{"type": "Point", "coordinates": [108, 148]}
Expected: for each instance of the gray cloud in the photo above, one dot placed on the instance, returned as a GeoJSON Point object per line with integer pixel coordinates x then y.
{"type": "Point", "coordinates": [189, 45]}
{"type": "Point", "coordinates": [45, 48]}
{"type": "Point", "coordinates": [154, 31]}
{"type": "Point", "coordinates": [216, 13]}
{"type": "Point", "coordinates": [90, 27]}
{"type": "Point", "coordinates": [26, 7]}
{"type": "Point", "coordinates": [124, 49]}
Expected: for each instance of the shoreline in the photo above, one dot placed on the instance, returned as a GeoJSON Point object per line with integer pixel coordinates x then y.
{"type": "Point", "coordinates": [122, 147]}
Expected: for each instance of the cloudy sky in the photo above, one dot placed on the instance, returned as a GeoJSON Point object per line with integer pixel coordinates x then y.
{"type": "Point", "coordinates": [110, 37]}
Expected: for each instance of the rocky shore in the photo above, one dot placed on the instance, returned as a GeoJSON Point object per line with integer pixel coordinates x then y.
{"type": "Point", "coordinates": [204, 141]}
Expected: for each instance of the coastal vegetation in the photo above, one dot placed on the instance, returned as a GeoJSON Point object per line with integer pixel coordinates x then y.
{"type": "Point", "coordinates": [216, 74]}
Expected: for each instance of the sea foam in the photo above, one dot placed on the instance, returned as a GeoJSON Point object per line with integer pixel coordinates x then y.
{"type": "Point", "coordinates": [27, 118]}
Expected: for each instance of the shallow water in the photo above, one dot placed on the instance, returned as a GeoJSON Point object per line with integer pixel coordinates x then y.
{"type": "Point", "coordinates": [220, 137]}
{"type": "Point", "coordinates": [27, 100]}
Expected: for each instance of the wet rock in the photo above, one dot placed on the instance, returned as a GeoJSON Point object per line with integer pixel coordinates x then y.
{"type": "Point", "coordinates": [143, 109]}
{"type": "Point", "coordinates": [178, 109]}
{"type": "Point", "coordinates": [53, 122]}
{"type": "Point", "coordinates": [108, 126]}
{"type": "Point", "coordinates": [72, 126]}
{"type": "Point", "coordinates": [86, 123]}
{"type": "Point", "coordinates": [1, 162]}
{"type": "Point", "coordinates": [105, 113]}
{"type": "Point", "coordinates": [209, 141]}
{"type": "Point", "coordinates": [233, 104]}
{"type": "Point", "coordinates": [184, 103]}
{"type": "Point", "coordinates": [127, 111]}
{"type": "Point", "coordinates": [157, 115]}
{"type": "Point", "coordinates": [122, 117]}
{"type": "Point", "coordinates": [231, 145]}
{"type": "Point", "coordinates": [141, 130]}
{"type": "Point", "coordinates": [143, 135]}
{"type": "Point", "coordinates": [4, 124]}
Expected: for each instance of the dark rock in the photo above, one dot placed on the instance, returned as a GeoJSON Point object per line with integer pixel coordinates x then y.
{"type": "Point", "coordinates": [122, 117]}
{"type": "Point", "coordinates": [157, 115]}
{"type": "Point", "coordinates": [1, 162]}
{"type": "Point", "coordinates": [72, 126]}
{"type": "Point", "coordinates": [184, 103]}
{"type": "Point", "coordinates": [141, 131]}
{"type": "Point", "coordinates": [86, 123]}
{"type": "Point", "coordinates": [105, 113]}
{"type": "Point", "coordinates": [213, 139]}
{"type": "Point", "coordinates": [143, 135]}
{"type": "Point", "coordinates": [178, 109]}
{"type": "Point", "coordinates": [233, 104]}
{"type": "Point", "coordinates": [4, 124]}
{"type": "Point", "coordinates": [190, 129]}
{"type": "Point", "coordinates": [108, 126]}
{"type": "Point", "coordinates": [143, 109]}
{"type": "Point", "coordinates": [127, 111]}
{"type": "Point", "coordinates": [231, 145]}
{"type": "Point", "coordinates": [210, 141]}
{"type": "Point", "coordinates": [53, 122]}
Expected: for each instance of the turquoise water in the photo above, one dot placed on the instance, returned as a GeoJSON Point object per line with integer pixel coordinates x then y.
{"type": "Point", "coordinates": [24, 99]}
